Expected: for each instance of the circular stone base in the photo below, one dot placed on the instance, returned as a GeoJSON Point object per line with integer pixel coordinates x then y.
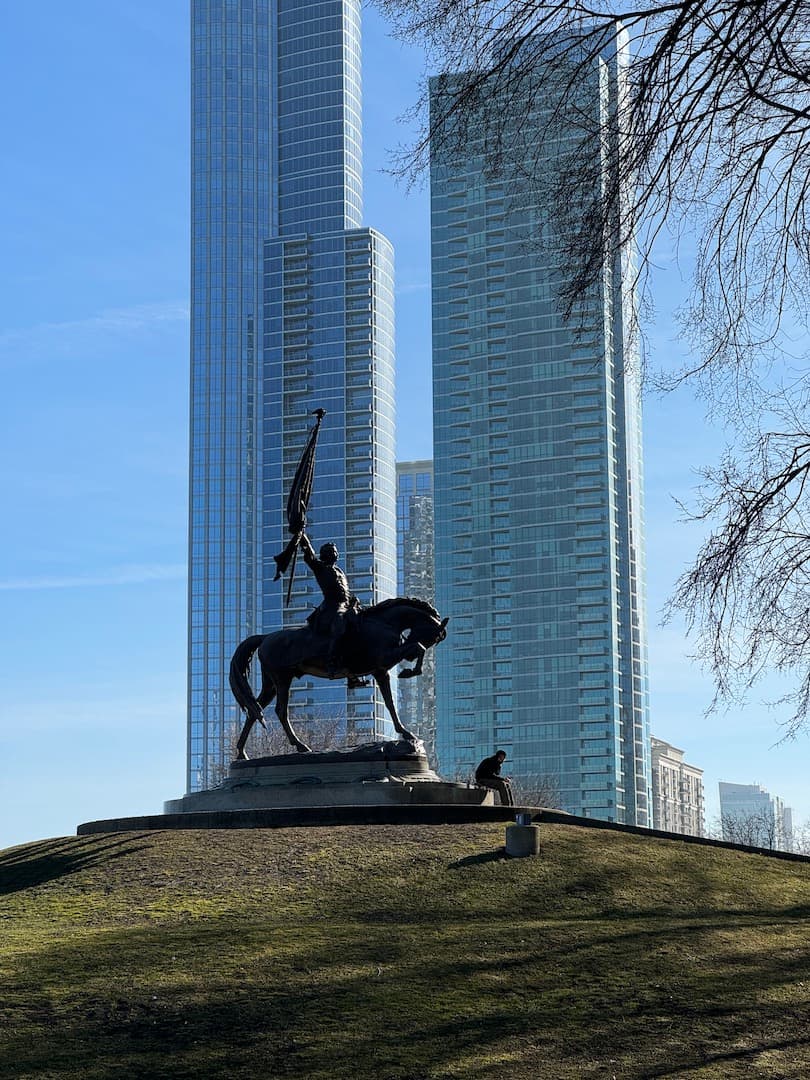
{"type": "Point", "coordinates": [372, 775]}
{"type": "Point", "coordinates": [313, 816]}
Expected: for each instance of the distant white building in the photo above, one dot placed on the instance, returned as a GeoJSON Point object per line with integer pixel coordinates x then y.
{"type": "Point", "coordinates": [751, 815]}
{"type": "Point", "coordinates": [678, 802]}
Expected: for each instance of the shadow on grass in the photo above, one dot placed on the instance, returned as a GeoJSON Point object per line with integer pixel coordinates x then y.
{"type": "Point", "coordinates": [49, 860]}
{"type": "Point", "coordinates": [499, 855]}
{"type": "Point", "coordinates": [527, 969]}
{"type": "Point", "coordinates": [747, 1057]}
{"type": "Point", "coordinates": [231, 996]}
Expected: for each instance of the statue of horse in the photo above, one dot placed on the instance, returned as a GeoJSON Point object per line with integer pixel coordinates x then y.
{"type": "Point", "coordinates": [385, 635]}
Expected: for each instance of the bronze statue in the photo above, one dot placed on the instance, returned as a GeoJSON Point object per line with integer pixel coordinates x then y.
{"type": "Point", "coordinates": [338, 640]}
{"type": "Point", "coordinates": [387, 634]}
{"type": "Point", "coordinates": [329, 618]}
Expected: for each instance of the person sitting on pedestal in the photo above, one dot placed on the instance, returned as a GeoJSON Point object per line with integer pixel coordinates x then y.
{"type": "Point", "coordinates": [488, 775]}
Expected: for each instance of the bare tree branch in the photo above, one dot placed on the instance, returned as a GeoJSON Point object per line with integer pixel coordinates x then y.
{"type": "Point", "coordinates": [711, 140]}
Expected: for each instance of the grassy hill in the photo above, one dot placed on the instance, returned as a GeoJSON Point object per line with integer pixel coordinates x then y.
{"type": "Point", "coordinates": [400, 953]}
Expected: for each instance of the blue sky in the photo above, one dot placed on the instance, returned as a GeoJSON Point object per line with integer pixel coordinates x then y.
{"type": "Point", "coordinates": [94, 355]}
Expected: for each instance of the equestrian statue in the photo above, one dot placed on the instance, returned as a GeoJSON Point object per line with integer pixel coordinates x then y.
{"type": "Point", "coordinates": [340, 639]}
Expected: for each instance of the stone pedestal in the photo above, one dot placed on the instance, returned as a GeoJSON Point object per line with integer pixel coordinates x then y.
{"type": "Point", "coordinates": [371, 775]}
{"type": "Point", "coordinates": [522, 840]}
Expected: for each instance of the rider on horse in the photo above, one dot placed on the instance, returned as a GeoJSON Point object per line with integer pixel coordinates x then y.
{"type": "Point", "coordinates": [329, 619]}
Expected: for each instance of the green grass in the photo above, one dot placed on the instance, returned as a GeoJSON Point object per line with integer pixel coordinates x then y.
{"type": "Point", "coordinates": [400, 953]}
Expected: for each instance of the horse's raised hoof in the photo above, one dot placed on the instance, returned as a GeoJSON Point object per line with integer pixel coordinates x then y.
{"type": "Point", "coordinates": [408, 673]}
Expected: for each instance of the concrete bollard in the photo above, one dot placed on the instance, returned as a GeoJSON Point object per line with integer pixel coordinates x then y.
{"type": "Point", "coordinates": [522, 840]}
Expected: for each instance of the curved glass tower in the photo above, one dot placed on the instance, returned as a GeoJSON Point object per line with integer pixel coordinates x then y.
{"type": "Point", "coordinates": [537, 463]}
{"type": "Point", "coordinates": [292, 309]}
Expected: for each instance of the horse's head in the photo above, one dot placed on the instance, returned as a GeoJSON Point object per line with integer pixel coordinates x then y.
{"type": "Point", "coordinates": [429, 628]}
{"type": "Point", "coordinates": [430, 631]}
{"type": "Point", "coordinates": [409, 617]}
{"type": "Point", "coordinates": [399, 629]}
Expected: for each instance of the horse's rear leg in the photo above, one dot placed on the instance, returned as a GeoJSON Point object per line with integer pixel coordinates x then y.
{"type": "Point", "coordinates": [247, 727]}
{"type": "Point", "coordinates": [383, 680]}
{"type": "Point", "coordinates": [265, 697]}
{"type": "Point", "coordinates": [282, 701]}
{"type": "Point", "coordinates": [250, 720]}
{"type": "Point", "coordinates": [267, 694]}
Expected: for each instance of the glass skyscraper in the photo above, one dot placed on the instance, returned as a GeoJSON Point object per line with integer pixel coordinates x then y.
{"type": "Point", "coordinates": [537, 460]}
{"type": "Point", "coordinates": [415, 577]}
{"type": "Point", "coordinates": [292, 309]}
{"type": "Point", "coordinates": [751, 815]}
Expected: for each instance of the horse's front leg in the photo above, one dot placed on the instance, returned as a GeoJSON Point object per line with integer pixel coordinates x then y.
{"type": "Point", "coordinates": [383, 680]}
{"type": "Point", "coordinates": [416, 651]}
{"type": "Point", "coordinates": [282, 701]}
{"type": "Point", "coordinates": [420, 650]}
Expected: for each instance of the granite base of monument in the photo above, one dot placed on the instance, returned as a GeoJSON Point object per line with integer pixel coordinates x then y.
{"type": "Point", "coordinates": [376, 774]}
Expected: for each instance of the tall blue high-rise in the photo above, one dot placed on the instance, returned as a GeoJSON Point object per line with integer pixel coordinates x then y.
{"type": "Point", "coordinates": [292, 309]}
{"type": "Point", "coordinates": [537, 453]}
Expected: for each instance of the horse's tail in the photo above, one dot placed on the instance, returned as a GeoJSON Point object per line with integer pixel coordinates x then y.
{"type": "Point", "coordinates": [238, 677]}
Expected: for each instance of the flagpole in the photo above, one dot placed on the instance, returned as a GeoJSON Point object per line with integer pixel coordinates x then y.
{"type": "Point", "coordinates": [306, 486]}
{"type": "Point", "coordinates": [292, 576]}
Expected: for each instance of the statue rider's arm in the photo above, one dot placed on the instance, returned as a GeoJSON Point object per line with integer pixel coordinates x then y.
{"type": "Point", "coordinates": [308, 550]}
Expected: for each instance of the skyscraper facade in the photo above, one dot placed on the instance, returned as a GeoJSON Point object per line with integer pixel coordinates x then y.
{"type": "Point", "coordinates": [537, 461]}
{"type": "Point", "coordinates": [415, 577]}
{"type": "Point", "coordinates": [292, 309]}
